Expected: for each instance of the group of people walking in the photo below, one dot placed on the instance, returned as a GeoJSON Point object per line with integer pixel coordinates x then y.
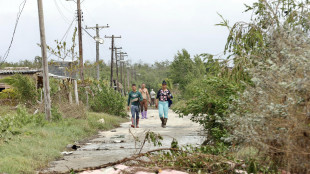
{"type": "Point", "coordinates": [139, 99]}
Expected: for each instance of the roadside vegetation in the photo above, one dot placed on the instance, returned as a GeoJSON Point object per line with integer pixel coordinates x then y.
{"type": "Point", "coordinates": [255, 103]}
{"type": "Point", "coordinates": [30, 142]}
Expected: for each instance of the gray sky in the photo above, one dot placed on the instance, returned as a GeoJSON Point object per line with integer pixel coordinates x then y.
{"type": "Point", "coordinates": [151, 30]}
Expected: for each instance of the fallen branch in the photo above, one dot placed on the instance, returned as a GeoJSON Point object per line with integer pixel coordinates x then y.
{"type": "Point", "coordinates": [133, 158]}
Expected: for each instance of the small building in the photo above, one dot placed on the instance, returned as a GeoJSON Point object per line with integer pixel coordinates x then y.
{"type": "Point", "coordinates": [62, 68]}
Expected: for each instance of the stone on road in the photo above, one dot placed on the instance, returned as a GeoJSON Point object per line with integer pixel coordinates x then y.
{"type": "Point", "coordinates": [110, 146]}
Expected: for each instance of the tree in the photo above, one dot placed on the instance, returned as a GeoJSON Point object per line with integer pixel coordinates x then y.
{"type": "Point", "coordinates": [182, 68]}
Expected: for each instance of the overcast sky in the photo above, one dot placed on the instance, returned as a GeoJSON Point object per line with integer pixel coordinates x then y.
{"type": "Point", "coordinates": [151, 30]}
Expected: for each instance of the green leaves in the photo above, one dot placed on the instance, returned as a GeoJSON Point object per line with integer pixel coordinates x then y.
{"type": "Point", "coordinates": [184, 69]}
{"type": "Point", "coordinates": [154, 138]}
{"type": "Point", "coordinates": [207, 92]}
{"type": "Point", "coordinates": [10, 124]}
{"type": "Point", "coordinates": [106, 99]}
{"type": "Point", "coordinates": [24, 86]}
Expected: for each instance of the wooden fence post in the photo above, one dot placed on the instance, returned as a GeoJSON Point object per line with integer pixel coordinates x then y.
{"type": "Point", "coordinates": [76, 92]}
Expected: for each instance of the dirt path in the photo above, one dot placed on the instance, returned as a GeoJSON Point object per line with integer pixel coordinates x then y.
{"type": "Point", "coordinates": [119, 143]}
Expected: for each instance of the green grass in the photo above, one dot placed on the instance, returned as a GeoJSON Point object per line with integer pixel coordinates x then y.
{"type": "Point", "coordinates": [35, 146]}
{"type": "Point", "coordinates": [4, 110]}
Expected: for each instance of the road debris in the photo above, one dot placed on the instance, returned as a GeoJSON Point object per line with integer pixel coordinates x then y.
{"type": "Point", "coordinates": [66, 153]}
{"type": "Point", "coordinates": [101, 121]}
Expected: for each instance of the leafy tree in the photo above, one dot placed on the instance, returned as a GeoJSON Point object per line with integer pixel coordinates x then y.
{"type": "Point", "coordinates": [183, 69]}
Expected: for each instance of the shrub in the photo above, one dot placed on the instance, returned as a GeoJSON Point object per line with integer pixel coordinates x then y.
{"type": "Point", "coordinates": [106, 99]}
{"type": "Point", "coordinates": [8, 97]}
{"type": "Point", "coordinates": [8, 94]}
{"type": "Point", "coordinates": [273, 115]}
{"type": "Point", "coordinates": [208, 103]}
{"type": "Point", "coordinates": [10, 124]}
{"type": "Point", "coordinates": [24, 86]}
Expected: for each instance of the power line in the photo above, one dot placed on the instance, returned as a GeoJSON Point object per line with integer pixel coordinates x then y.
{"type": "Point", "coordinates": [61, 13]}
{"type": "Point", "coordinates": [21, 9]}
{"type": "Point", "coordinates": [65, 7]}
{"type": "Point", "coordinates": [67, 32]}
{"type": "Point", "coordinates": [88, 33]}
{"type": "Point", "coordinates": [65, 35]}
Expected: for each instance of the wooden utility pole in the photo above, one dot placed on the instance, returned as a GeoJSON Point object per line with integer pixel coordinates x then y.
{"type": "Point", "coordinates": [128, 83]}
{"type": "Point", "coordinates": [76, 94]}
{"type": "Point", "coordinates": [117, 80]}
{"type": "Point", "coordinates": [46, 84]}
{"type": "Point", "coordinates": [123, 72]}
{"type": "Point", "coordinates": [97, 38]}
{"type": "Point", "coordinates": [112, 54]}
{"type": "Point", "coordinates": [79, 14]}
{"type": "Point", "coordinates": [116, 64]}
{"type": "Point", "coordinates": [132, 75]}
{"type": "Point", "coordinates": [122, 55]}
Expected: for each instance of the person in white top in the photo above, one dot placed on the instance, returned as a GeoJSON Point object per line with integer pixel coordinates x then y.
{"type": "Point", "coordinates": [153, 96]}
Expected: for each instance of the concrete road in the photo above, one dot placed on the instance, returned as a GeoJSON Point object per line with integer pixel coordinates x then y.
{"type": "Point", "coordinates": [110, 146]}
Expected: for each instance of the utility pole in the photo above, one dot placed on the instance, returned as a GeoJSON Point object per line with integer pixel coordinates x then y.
{"type": "Point", "coordinates": [97, 38]}
{"type": "Point", "coordinates": [128, 83]}
{"type": "Point", "coordinates": [112, 54]}
{"type": "Point", "coordinates": [132, 74]}
{"type": "Point", "coordinates": [79, 14]}
{"type": "Point", "coordinates": [117, 84]}
{"type": "Point", "coordinates": [121, 59]}
{"type": "Point", "coordinates": [123, 70]}
{"type": "Point", "coordinates": [117, 79]}
{"type": "Point", "coordinates": [46, 85]}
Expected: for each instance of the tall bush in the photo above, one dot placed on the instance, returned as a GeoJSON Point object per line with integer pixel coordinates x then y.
{"type": "Point", "coordinates": [24, 86]}
{"type": "Point", "coordinates": [106, 99]}
{"type": "Point", "coordinates": [273, 115]}
{"type": "Point", "coordinates": [209, 103]}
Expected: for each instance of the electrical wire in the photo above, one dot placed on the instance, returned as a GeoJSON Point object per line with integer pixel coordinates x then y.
{"type": "Point", "coordinates": [21, 9]}
{"type": "Point", "coordinates": [67, 32]}
{"type": "Point", "coordinates": [61, 13]}
{"type": "Point", "coordinates": [65, 35]}
{"type": "Point", "coordinates": [65, 7]}
{"type": "Point", "coordinates": [88, 33]}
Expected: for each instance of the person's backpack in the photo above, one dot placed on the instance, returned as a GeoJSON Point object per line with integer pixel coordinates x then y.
{"type": "Point", "coordinates": [170, 101]}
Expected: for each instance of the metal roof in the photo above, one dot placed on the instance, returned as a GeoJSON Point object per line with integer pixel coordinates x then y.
{"type": "Point", "coordinates": [58, 76]}
{"type": "Point", "coordinates": [3, 72]}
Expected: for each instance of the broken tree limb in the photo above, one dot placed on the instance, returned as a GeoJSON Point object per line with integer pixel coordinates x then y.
{"type": "Point", "coordinates": [133, 158]}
